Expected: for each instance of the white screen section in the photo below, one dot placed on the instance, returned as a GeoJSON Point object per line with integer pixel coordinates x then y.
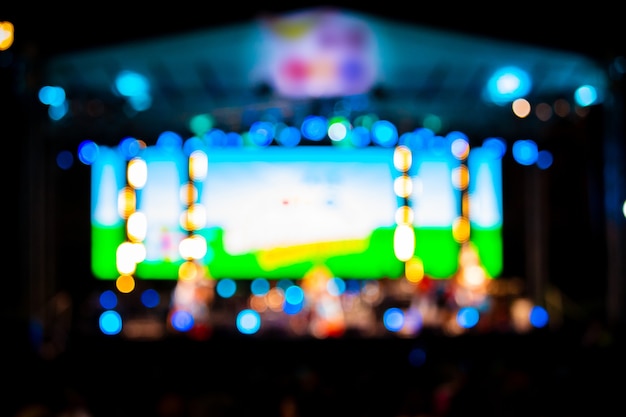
{"type": "Point", "coordinates": [435, 200]}
{"type": "Point", "coordinates": [278, 197]}
{"type": "Point", "coordinates": [160, 201]}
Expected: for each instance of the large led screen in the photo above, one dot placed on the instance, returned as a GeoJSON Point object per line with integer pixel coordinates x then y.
{"type": "Point", "coordinates": [269, 212]}
{"type": "Point", "coordinates": [280, 212]}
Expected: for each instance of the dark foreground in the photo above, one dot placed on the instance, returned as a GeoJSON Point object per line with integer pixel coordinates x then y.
{"type": "Point", "coordinates": [544, 373]}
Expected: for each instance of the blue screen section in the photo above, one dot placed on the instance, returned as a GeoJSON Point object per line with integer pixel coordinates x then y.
{"type": "Point", "coordinates": [108, 178]}
{"type": "Point", "coordinates": [485, 188]}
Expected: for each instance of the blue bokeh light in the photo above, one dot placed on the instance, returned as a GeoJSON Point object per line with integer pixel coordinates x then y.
{"type": "Point", "coordinates": [150, 298]}
{"type": "Point", "coordinates": [384, 133]}
{"type": "Point", "coordinates": [248, 321]}
{"type": "Point", "coordinates": [259, 286]}
{"type": "Point", "coordinates": [393, 319]}
{"type": "Point", "coordinates": [507, 84]}
{"type": "Point", "coordinates": [538, 317]}
{"type": "Point", "coordinates": [182, 320]}
{"type": "Point", "coordinates": [108, 299]}
{"type": "Point", "coordinates": [226, 287]}
{"type": "Point", "coordinates": [88, 151]}
{"type": "Point", "coordinates": [467, 317]}
{"type": "Point", "coordinates": [314, 128]}
{"type": "Point", "coordinates": [110, 322]}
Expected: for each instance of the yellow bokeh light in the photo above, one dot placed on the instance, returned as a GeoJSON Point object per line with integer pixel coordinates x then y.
{"type": "Point", "coordinates": [125, 283]}
{"type": "Point", "coordinates": [520, 315]}
{"type": "Point", "coordinates": [404, 242]}
{"type": "Point", "coordinates": [473, 276]}
{"type": "Point", "coordinates": [460, 177]}
{"type": "Point", "coordinates": [126, 202]}
{"type": "Point", "coordinates": [465, 204]}
{"type": "Point", "coordinates": [193, 247]}
{"type": "Point", "coordinates": [414, 270]}
{"type": "Point", "coordinates": [194, 218]}
{"type": "Point", "coordinates": [198, 165]}
{"type": "Point", "coordinates": [137, 226]}
{"type": "Point", "coordinates": [461, 229]}
{"type": "Point", "coordinates": [188, 194]}
{"type": "Point", "coordinates": [402, 158]}
{"type": "Point", "coordinates": [404, 215]}
{"type": "Point", "coordinates": [521, 108]}
{"type": "Point", "coordinates": [7, 35]}
{"type": "Point", "coordinates": [403, 186]}
{"type": "Point", "coordinates": [126, 258]}
{"type": "Point", "coordinates": [275, 298]}
{"type": "Point", "coordinates": [187, 271]}
{"type": "Point", "coordinates": [137, 173]}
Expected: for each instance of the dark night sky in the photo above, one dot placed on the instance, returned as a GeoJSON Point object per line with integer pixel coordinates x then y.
{"type": "Point", "coordinates": [590, 28]}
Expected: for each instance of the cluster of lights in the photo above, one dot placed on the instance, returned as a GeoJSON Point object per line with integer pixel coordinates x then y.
{"type": "Point", "coordinates": [132, 251]}
{"type": "Point", "coordinates": [320, 291]}
{"type": "Point", "coordinates": [194, 289]}
{"type": "Point", "coordinates": [510, 85]}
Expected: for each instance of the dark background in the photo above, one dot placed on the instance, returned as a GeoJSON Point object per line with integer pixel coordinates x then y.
{"type": "Point", "coordinates": [593, 28]}
{"type": "Point", "coordinates": [569, 373]}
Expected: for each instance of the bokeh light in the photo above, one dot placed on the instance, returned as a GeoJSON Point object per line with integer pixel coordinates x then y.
{"type": "Point", "coordinates": [108, 299]}
{"type": "Point", "coordinates": [393, 319]}
{"type": "Point", "coordinates": [467, 317]}
{"type": "Point", "coordinates": [110, 322]}
{"type": "Point", "coordinates": [7, 35]}
{"type": "Point", "coordinates": [150, 298]}
{"type": "Point", "coordinates": [538, 316]}
{"type": "Point", "coordinates": [507, 84]}
{"type": "Point", "coordinates": [226, 287]}
{"type": "Point", "coordinates": [182, 320]}
{"type": "Point", "coordinates": [65, 160]}
{"type": "Point", "coordinates": [525, 152]}
{"type": "Point", "coordinates": [248, 321]}
{"type": "Point", "coordinates": [259, 286]}
{"type": "Point", "coordinates": [586, 95]}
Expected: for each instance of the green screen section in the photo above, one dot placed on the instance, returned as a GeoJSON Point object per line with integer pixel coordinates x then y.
{"type": "Point", "coordinates": [438, 251]}
{"type": "Point", "coordinates": [158, 269]}
{"type": "Point", "coordinates": [436, 247]}
{"type": "Point", "coordinates": [488, 244]}
{"type": "Point", "coordinates": [104, 243]}
{"type": "Point", "coordinates": [376, 260]}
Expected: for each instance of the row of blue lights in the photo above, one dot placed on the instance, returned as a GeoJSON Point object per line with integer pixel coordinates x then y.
{"type": "Point", "coordinates": [314, 128]}
{"type": "Point", "coordinates": [248, 321]}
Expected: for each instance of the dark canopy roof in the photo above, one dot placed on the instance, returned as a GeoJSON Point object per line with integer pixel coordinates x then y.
{"type": "Point", "coordinates": [420, 71]}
